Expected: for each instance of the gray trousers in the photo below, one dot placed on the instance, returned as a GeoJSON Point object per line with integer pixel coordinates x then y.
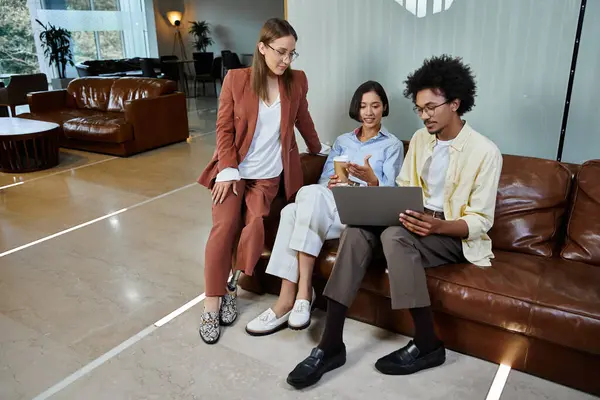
{"type": "Point", "coordinates": [407, 256]}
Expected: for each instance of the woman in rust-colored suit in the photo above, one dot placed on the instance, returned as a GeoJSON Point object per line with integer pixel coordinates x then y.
{"type": "Point", "coordinates": [256, 147]}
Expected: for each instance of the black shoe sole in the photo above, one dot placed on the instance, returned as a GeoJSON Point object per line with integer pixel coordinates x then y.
{"type": "Point", "coordinates": [334, 363]}
{"type": "Point", "coordinates": [418, 365]}
{"type": "Point", "coordinates": [299, 328]}
{"type": "Point", "coordinates": [207, 342]}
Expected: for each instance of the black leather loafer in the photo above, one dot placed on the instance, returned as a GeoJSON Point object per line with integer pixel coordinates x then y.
{"type": "Point", "coordinates": [409, 360]}
{"type": "Point", "coordinates": [310, 371]}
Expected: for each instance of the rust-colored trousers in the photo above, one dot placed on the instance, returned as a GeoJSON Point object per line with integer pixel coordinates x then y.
{"type": "Point", "coordinates": [253, 202]}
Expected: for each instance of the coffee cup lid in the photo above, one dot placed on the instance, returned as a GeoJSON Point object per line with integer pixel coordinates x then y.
{"type": "Point", "coordinates": [341, 158]}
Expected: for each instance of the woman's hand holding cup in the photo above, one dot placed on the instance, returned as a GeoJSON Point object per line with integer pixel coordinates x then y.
{"type": "Point", "coordinates": [340, 165]}
{"type": "Point", "coordinates": [334, 180]}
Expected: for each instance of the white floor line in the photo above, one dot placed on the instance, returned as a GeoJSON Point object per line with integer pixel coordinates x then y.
{"type": "Point", "coordinates": [57, 173]}
{"type": "Point", "coordinates": [12, 184]}
{"type": "Point", "coordinates": [95, 364]}
{"type": "Point", "coordinates": [180, 310]}
{"type": "Point", "coordinates": [198, 135]}
{"type": "Point", "coordinates": [115, 351]}
{"type": "Point", "coordinates": [499, 382]}
{"type": "Point", "coordinates": [74, 228]}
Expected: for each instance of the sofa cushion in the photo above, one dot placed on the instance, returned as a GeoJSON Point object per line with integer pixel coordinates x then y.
{"type": "Point", "coordinates": [500, 295]}
{"type": "Point", "coordinates": [126, 89]}
{"type": "Point", "coordinates": [109, 128]}
{"type": "Point", "coordinates": [90, 92]}
{"type": "Point", "coordinates": [583, 231]}
{"type": "Point", "coordinates": [532, 197]}
{"type": "Point", "coordinates": [567, 307]}
{"type": "Point", "coordinates": [61, 116]}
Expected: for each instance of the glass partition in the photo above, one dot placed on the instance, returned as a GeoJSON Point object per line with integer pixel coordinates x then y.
{"type": "Point", "coordinates": [582, 137]}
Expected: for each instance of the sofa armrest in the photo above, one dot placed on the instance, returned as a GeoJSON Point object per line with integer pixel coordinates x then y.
{"type": "Point", "coordinates": [158, 121]}
{"type": "Point", "coordinates": [83, 70]}
{"type": "Point", "coordinates": [312, 167]}
{"type": "Point", "coordinates": [51, 100]}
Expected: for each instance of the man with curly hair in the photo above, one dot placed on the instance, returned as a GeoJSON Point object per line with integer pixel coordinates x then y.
{"type": "Point", "coordinates": [458, 169]}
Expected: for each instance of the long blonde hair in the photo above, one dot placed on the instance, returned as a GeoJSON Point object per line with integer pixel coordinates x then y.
{"type": "Point", "coordinates": [273, 29]}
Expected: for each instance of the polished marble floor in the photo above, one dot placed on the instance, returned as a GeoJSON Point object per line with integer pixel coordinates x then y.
{"type": "Point", "coordinates": [95, 252]}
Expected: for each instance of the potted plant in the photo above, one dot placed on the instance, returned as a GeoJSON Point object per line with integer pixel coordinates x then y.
{"type": "Point", "coordinates": [201, 31]}
{"type": "Point", "coordinates": [56, 43]}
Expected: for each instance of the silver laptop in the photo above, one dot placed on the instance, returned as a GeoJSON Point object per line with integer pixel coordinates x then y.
{"type": "Point", "coordinates": [376, 205]}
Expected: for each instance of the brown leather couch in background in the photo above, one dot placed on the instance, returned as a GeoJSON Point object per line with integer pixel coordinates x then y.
{"type": "Point", "coordinates": [536, 309]}
{"type": "Point", "coordinates": [118, 116]}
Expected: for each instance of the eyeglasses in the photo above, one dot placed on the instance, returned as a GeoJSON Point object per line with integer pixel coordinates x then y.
{"type": "Point", "coordinates": [291, 56]}
{"type": "Point", "coordinates": [429, 109]}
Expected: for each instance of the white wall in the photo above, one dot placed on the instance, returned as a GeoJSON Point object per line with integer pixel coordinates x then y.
{"type": "Point", "coordinates": [520, 51]}
{"type": "Point", "coordinates": [235, 23]}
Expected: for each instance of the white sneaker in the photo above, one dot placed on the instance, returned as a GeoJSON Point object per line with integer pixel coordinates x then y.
{"type": "Point", "coordinates": [300, 315]}
{"type": "Point", "coordinates": [267, 323]}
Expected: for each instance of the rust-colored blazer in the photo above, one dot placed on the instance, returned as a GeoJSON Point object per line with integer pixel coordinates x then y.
{"type": "Point", "coordinates": [236, 123]}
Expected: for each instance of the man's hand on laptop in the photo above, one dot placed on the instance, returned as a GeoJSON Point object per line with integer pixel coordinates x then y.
{"type": "Point", "coordinates": [364, 172]}
{"type": "Point", "coordinates": [421, 224]}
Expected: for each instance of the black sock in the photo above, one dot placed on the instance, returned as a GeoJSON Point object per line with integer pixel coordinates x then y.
{"type": "Point", "coordinates": [425, 338]}
{"type": "Point", "coordinates": [332, 340]}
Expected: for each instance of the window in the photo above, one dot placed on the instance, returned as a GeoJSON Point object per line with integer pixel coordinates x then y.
{"type": "Point", "coordinates": [84, 46]}
{"type": "Point", "coordinates": [99, 28]}
{"type": "Point", "coordinates": [111, 45]}
{"type": "Point", "coordinates": [81, 5]}
{"type": "Point", "coordinates": [17, 47]}
{"type": "Point", "coordinates": [103, 45]}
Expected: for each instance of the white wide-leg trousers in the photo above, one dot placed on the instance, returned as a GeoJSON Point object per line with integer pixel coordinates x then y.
{"type": "Point", "coordinates": [304, 227]}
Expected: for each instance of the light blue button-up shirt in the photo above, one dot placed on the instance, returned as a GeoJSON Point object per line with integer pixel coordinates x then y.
{"type": "Point", "coordinates": [385, 149]}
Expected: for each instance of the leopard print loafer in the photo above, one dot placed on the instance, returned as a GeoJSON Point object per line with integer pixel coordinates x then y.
{"type": "Point", "coordinates": [228, 312]}
{"type": "Point", "coordinates": [210, 331]}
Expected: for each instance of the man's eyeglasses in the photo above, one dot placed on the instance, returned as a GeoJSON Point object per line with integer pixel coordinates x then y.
{"type": "Point", "coordinates": [291, 56]}
{"type": "Point", "coordinates": [428, 109]}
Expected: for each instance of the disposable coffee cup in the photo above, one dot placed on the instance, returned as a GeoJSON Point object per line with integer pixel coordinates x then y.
{"type": "Point", "coordinates": [340, 165]}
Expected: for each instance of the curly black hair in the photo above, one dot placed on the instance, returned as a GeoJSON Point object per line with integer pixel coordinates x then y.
{"type": "Point", "coordinates": [454, 79]}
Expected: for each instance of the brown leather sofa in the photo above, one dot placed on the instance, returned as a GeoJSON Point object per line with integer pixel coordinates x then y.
{"type": "Point", "coordinates": [536, 309]}
{"type": "Point", "coordinates": [118, 116]}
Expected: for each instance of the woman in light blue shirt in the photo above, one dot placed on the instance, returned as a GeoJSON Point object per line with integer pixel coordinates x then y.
{"type": "Point", "coordinates": [374, 159]}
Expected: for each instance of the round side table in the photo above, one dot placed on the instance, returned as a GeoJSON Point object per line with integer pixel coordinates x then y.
{"type": "Point", "coordinates": [28, 145]}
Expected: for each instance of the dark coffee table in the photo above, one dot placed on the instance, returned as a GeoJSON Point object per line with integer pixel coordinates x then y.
{"type": "Point", "coordinates": [28, 145]}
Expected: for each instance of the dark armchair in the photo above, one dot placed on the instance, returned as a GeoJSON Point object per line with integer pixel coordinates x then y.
{"type": "Point", "coordinates": [15, 93]}
{"type": "Point", "coordinates": [207, 71]}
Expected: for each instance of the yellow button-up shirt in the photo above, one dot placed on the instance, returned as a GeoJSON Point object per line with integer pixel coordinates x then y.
{"type": "Point", "coordinates": [471, 184]}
